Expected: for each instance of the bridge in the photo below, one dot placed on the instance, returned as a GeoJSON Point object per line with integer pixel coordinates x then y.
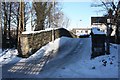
{"type": "Point", "coordinates": [32, 41]}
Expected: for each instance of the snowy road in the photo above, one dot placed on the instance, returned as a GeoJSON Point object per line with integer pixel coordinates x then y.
{"type": "Point", "coordinates": [58, 66]}
{"type": "Point", "coordinates": [70, 59]}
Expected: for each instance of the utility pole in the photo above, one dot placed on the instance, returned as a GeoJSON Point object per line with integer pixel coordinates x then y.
{"type": "Point", "coordinates": [53, 35]}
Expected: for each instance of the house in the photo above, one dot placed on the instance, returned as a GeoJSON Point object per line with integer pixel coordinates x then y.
{"type": "Point", "coordinates": [81, 31]}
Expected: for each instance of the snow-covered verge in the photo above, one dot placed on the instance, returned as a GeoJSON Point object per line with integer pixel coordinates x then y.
{"type": "Point", "coordinates": [70, 59]}
{"type": "Point", "coordinates": [8, 55]}
{"type": "Point", "coordinates": [81, 66]}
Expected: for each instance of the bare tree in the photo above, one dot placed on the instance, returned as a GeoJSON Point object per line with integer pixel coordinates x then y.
{"type": "Point", "coordinates": [5, 22]}
{"type": "Point", "coordinates": [65, 22]}
{"type": "Point", "coordinates": [21, 25]}
{"type": "Point", "coordinates": [0, 25]}
{"type": "Point", "coordinates": [14, 17]}
{"type": "Point", "coordinates": [42, 10]}
{"type": "Point", "coordinates": [48, 15]}
{"type": "Point", "coordinates": [9, 23]}
{"type": "Point", "coordinates": [117, 21]}
{"type": "Point", "coordinates": [5, 19]}
{"type": "Point", "coordinates": [56, 17]}
{"type": "Point", "coordinates": [60, 20]}
{"type": "Point", "coordinates": [27, 12]}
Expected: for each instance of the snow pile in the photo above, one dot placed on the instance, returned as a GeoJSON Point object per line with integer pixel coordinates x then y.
{"type": "Point", "coordinates": [7, 55]}
{"type": "Point", "coordinates": [2, 53]}
{"type": "Point", "coordinates": [101, 67]}
{"type": "Point", "coordinates": [97, 31]}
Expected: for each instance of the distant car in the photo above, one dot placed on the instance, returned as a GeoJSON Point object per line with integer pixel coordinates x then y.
{"type": "Point", "coordinates": [84, 35]}
{"type": "Point", "coordinates": [95, 28]}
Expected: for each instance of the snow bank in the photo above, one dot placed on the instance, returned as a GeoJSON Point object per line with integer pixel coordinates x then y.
{"type": "Point", "coordinates": [101, 67]}
{"type": "Point", "coordinates": [7, 55]}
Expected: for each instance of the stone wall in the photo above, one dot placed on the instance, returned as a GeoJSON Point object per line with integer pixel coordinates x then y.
{"type": "Point", "coordinates": [30, 43]}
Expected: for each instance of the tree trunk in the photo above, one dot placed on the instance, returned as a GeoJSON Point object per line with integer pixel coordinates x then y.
{"type": "Point", "coordinates": [40, 25]}
{"type": "Point", "coordinates": [9, 21]}
{"type": "Point", "coordinates": [21, 26]}
{"type": "Point", "coordinates": [0, 27]}
{"type": "Point", "coordinates": [118, 32]}
{"type": "Point", "coordinates": [5, 25]}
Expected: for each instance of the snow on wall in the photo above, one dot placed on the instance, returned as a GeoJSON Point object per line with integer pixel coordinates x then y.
{"type": "Point", "coordinates": [35, 32]}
